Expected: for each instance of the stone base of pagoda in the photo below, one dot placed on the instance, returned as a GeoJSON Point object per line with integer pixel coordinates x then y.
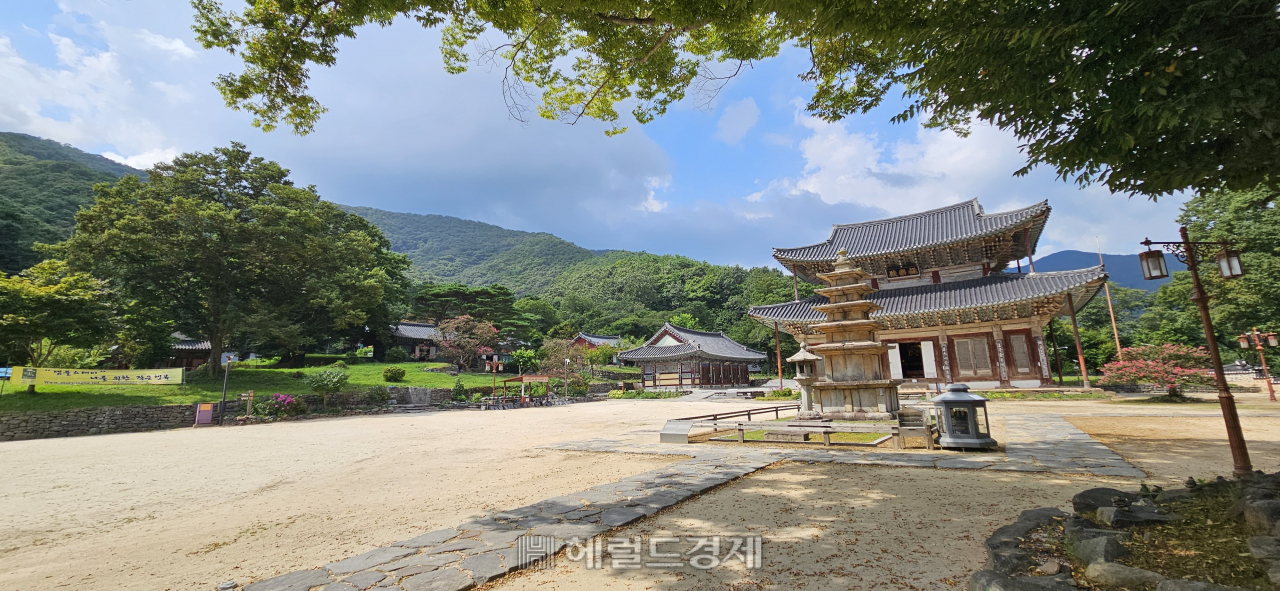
{"type": "Point", "coordinates": [850, 397]}
{"type": "Point", "coordinates": [859, 415]}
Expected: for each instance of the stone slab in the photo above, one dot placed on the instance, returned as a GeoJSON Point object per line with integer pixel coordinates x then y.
{"type": "Point", "coordinates": [484, 567]}
{"type": "Point", "coordinates": [434, 538]}
{"type": "Point", "coordinates": [445, 579]}
{"type": "Point", "coordinates": [368, 560]}
{"type": "Point", "coordinates": [420, 560]}
{"type": "Point", "coordinates": [301, 580]}
{"type": "Point", "coordinates": [365, 579]}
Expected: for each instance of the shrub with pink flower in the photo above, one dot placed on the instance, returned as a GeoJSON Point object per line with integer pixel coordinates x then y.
{"type": "Point", "coordinates": [1168, 366]}
{"type": "Point", "coordinates": [281, 405]}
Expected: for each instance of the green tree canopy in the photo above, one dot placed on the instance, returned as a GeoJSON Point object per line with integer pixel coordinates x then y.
{"type": "Point", "coordinates": [1147, 97]}
{"type": "Point", "coordinates": [48, 307]}
{"type": "Point", "coordinates": [226, 246]}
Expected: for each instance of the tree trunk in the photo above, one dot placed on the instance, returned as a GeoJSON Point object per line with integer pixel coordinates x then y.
{"type": "Point", "coordinates": [379, 350]}
{"type": "Point", "coordinates": [214, 364]}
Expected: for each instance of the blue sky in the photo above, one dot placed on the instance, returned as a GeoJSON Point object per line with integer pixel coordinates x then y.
{"type": "Point", "coordinates": [723, 180]}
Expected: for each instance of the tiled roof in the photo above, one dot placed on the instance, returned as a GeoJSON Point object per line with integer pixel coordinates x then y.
{"type": "Point", "coordinates": [598, 340]}
{"type": "Point", "coordinates": [711, 345]}
{"type": "Point", "coordinates": [415, 331]}
{"type": "Point", "coordinates": [185, 343]}
{"type": "Point", "coordinates": [938, 227]}
{"type": "Point", "coordinates": [992, 290]}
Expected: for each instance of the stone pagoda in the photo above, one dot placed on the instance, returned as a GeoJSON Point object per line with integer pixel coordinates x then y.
{"type": "Point", "coordinates": [852, 383]}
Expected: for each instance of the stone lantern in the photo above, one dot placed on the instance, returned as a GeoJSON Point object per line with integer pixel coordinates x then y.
{"type": "Point", "coordinates": [806, 375]}
{"type": "Point", "coordinates": [963, 419]}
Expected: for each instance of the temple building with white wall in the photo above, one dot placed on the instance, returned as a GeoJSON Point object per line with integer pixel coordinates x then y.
{"type": "Point", "coordinates": [948, 311]}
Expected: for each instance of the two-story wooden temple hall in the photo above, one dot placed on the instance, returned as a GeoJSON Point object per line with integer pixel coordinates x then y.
{"type": "Point", "coordinates": [946, 309]}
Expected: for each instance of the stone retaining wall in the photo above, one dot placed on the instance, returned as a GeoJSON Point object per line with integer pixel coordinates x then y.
{"type": "Point", "coordinates": [15, 426]}
{"type": "Point", "coordinates": [1154, 389]}
{"type": "Point", "coordinates": [98, 420]}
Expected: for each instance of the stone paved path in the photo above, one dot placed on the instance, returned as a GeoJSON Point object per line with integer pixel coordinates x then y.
{"type": "Point", "coordinates": [476, 552]}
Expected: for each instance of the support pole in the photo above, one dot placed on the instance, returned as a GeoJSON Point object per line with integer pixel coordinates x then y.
{"type": "Point", "coordinates": [1266, 373]}
{"type": "Point", "coordinates": [777, 342]}
{"type": "Point", "coordinates": [795, 283]}
{"type": "Point", "coordinates": [1115, 331]}
{"type": "Point", "coordinates": [1235, 435]}
{"type": "Point", "coordinates": [1075, 329]}
{"type": "Point", "coordinates": [222, 410]}
{"type": "Point", "coordinates": [1057, 358]}
{"type": "Point", "coordinates": [1030, 261]}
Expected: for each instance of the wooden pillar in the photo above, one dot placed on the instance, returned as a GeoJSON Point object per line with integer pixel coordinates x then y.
{"type": "Point", "coordinates": [1075, 329]}
{"type": "Point", "coordinates": [777, 342]}
{"type": "Point", "coordinates": [944, 351]}
{"type": "Point", "coordinates": [1037, 335]}
{"type": "Point", "coordinates": [1001, 359]}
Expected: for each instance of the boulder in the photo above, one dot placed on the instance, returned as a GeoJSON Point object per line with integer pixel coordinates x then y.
{"type": "Point", "coordinates": [1112, 574]}
{"type": "Point", "coordinates": [1042, 516]}
{"type": "Point", "coordinates": [1264, 547]}
{"type": "Point", "coordinates": [1076, 536]}
{"type": "Point", "coordinates": [1185, 585]}
{"type": "Point", "coordinates": [1118, 518]}
{"type": "Point", "coordinates": [1009, 561]}
{"type": "Point", "coordinates": [985, 580]}
{"type": "Point", "coordinates": [1093, 499]}
{"type": "Point", "coordinates": [1099, 549]}
{"type": "Point", "coordinates": [1262, 516]}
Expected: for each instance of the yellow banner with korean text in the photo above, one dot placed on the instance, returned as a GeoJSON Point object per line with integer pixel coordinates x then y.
{"type": "Point", "coordinates": [52, 376]}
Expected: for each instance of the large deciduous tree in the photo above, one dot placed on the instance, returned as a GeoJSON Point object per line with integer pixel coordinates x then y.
{"type": "Point", "coordinates": [48, 307]}
{"type": "Point", "coordinates": [463, 337]}
{"type": "Point", "coordinates": [226, 246]}
{"type": "Point", "coordinates": [1147, 97]}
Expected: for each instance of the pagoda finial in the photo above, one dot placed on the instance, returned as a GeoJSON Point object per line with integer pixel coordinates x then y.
{"type": "Point", "coordinates": [842, 260]}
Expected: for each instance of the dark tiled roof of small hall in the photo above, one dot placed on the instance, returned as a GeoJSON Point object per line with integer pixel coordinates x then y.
{"type": "Point", "coordinates": [937, 227]}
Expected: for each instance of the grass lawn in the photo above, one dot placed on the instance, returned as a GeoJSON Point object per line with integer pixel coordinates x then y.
{"type": "Point", "coordinates": [835, 437]}
{"type": "Point", "coordinates": [1043, 395]}
{"type": "Point", "coordinates": [205, 389]}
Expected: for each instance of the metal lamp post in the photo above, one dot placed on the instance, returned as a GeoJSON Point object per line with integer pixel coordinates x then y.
{"type": "Point", "coordinates": [1189, 252]}
{"type": "Point", "coordinates": [1255, 338]}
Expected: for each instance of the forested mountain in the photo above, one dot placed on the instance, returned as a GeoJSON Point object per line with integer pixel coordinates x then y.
{"type": "Point", "coordinates": [42, 185]}
{"type": "Point", "coordinates": [632, 294]}
{"type": "Point", "coordinates": [1122, 268]}
{"type": "Point", "coordinates": [450, 249]}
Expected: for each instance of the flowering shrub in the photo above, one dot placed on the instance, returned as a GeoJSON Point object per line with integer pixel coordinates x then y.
{"type": "Point", "coordinates": [783, 394]}
{"type": "Point", "coordinates": [1167, 366]}
{"type": "Point", "coordinates": [281, 405]}
{"type": "Point", "coordinates": [393, 373]}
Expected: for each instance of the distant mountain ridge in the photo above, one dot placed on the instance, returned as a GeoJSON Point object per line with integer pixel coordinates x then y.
{"type": "Point", "coordinates": [42, 185]}
{"type": "Point", "coordinates": [1123, 269]}
{"type": "Point", "coordinates": [446, 248]}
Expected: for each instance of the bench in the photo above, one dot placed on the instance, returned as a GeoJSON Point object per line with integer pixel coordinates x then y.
{"type": "Point", "coordinates": [913, 423]}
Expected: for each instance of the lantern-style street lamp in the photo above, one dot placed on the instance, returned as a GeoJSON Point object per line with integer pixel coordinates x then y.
{"type": "Point", "coordinates": [1153, 266]}
{"type": "Point", "coordinates": [1256, 338]}
{"type": "Point", "coordinates": [1192, 253]}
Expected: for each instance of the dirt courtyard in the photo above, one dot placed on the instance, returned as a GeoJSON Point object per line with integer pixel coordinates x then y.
{"type": "Point", "coordinates": [833, 526]}
{"type": "Point", "coordinates": [1171, 448]}
{"type": "Point", "coordinates": [187, 509]}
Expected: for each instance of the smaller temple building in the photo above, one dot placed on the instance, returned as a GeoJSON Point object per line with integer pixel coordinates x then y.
{"type": "Point", "coordinates": [417, 339]}
{"type": "Point", "coordinates": [678, 357]}
{"type": "Point", "coordinates": [592, 341]}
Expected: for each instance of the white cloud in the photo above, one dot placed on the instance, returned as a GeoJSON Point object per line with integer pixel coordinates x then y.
{"type": "Point", "coordinates": [937, 168]}
{"type": "Point", "coordinates": [176, 93]}
{"type": "Point", "coordinates": [174, 48]}
{"type": "Point", "coordinates": [145, 159]}
{"type": "Point", "coordinates": [737, 120]}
